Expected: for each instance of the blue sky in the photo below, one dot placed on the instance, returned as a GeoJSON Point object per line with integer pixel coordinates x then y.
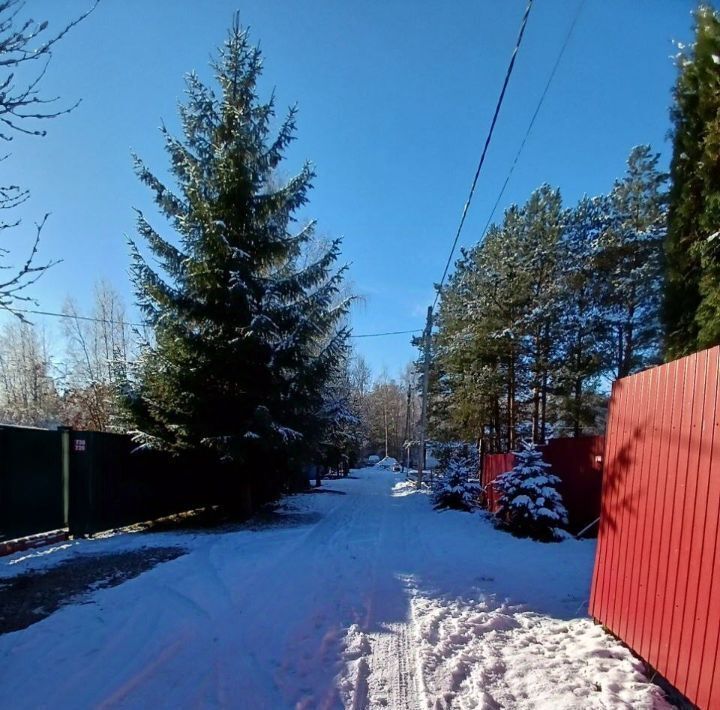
{"type": "Point", "coordinates": [395, 100]}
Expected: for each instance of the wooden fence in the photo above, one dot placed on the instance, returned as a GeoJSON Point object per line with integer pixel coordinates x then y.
{"type": "Point", "coordinates": [657, 573]}
{"type": "Point", "coordinates": [577, 461]}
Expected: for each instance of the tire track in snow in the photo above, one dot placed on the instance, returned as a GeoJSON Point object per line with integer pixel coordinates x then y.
{"type": "Point", "coordinates": [382, 667]}
{"type": "Point", "coordinates": [403, 694]}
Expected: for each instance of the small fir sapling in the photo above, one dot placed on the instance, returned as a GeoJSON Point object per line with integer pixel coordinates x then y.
{"type": "Point", "coordinates": [457, 485]}
{"type": "Point", "coordinates": [530, 504]}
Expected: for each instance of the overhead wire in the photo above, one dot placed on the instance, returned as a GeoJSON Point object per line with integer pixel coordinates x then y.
{"type": "Point", "coordinates": [76, 316]}
{"type": "Point", "coordinates": [392, 332]}
{"type": "Point", "coordinates": [560, 55]}
{"type": "Point", "coordinates": [109, 321]}
{"type": "Point", "coordinates": [498, 106]}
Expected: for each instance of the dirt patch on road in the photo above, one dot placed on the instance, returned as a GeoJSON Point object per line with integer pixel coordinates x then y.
{"type": "Point", "coordinates": [33, 596]}
{"type": "Point", "coordinates": [282, 519]}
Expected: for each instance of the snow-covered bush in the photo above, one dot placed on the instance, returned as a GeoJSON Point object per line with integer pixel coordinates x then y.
{"type": "Point", "coordinates": [530, 504]}
{"type": "Point", "coordinates": [456, 484]}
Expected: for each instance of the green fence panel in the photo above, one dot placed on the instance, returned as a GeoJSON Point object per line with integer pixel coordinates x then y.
{"type": "Point", "coordinates": [33, 481]}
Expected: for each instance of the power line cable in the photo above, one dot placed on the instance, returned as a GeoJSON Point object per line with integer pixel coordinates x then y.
{"type": "Point", "coordinates": [392, 332]}
{"type": "Point", "coordinates": [74, 316]}
{"type": "Point", "coordinates": [565, 44]}
{"type": "Point", "coordinates": [498, 106]}
{"type": "Point", "coordinates": [92, 319]}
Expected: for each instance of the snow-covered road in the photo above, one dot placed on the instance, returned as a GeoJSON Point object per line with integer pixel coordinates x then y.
{"type": "Point", "coordinates": [363, 598]}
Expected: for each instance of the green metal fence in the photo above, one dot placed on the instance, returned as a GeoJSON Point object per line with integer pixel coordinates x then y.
{"type": "Point", "coordinates": [34, 479]}
{"type": "Point", "coordinates": [92, 481]}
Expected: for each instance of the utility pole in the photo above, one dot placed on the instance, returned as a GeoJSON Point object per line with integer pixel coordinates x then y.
{"type": "Point", "coordinates": [385, 418]}
{"type": "Point", "coordinates": [426, 375]}
{"type": "Point", "coordinates": [406, 443]}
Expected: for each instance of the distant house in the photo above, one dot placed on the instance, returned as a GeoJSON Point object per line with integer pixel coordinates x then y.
{"type": "Point", "coordinates": [387, 462]}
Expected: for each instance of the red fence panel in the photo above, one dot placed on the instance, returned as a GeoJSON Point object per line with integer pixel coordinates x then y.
{"type": "Point", "coordinates": [493, 466]}
{"type": "Point", "coordinates": [578, 462]}
{"type": "Point", "coordinates": [656, 583]}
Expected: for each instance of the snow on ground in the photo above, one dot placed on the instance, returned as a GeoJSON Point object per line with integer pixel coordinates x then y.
{"type": "Point", "coordinates": [366, 598]}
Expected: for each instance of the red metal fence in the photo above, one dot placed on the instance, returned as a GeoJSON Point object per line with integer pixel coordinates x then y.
{"type": "Point", "coordinates": [577, 461]}
{"type": "Point", "coordinates": [657, 572]}
{"type": "Point", "coordinates": [493, 466]}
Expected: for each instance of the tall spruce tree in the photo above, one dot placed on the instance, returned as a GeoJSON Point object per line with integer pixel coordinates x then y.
{"type": "Point", "coordinates": [246, 314]}
{"type": "Point", "coordinates": [691, 310]}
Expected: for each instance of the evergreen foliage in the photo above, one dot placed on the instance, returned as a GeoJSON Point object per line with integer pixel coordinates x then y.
{"type": "Point", "coordinates": [245, 310]}
{"type": "Point", "coordinates": [692, 294]}
{"type": "Point", "coordinates": [630, 259]}
{"type": "Point", "coordinates": [457, 484]}
{"type": "Point", "coordinates": [552, 301]}
{"type": "Point", "coordinates": [341, 420]}
{"type": "Point", "coordinates": [529, 502]}
{"type": "Point", "coordinates": [583, 349]}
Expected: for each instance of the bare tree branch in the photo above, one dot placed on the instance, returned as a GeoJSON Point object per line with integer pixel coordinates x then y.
{"type": "Point", "coordinates": [21, 105]}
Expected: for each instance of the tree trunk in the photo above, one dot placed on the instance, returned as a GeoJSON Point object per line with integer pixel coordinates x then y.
{"type": "Point", "coordinates": [535, 429]}
{"type": "Point", "coordinates": [543, 406]}
{"type": "Point", "coordinates": [385, 419]}
{"type": "Point", "coordinates": [626, 366]}
{"type": "Point", "coordinates": [511, 414]}
{"type": "Point", "coordinates": [577, 428]}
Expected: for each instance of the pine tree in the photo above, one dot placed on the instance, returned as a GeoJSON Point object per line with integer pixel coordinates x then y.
{"type": "Point", "coordinates": [473, 351]}
{"type": "Point", "coordinates": [340, 417]}
{"type": "Point", "coordinates": [551, 300]}
{"type": "Point", "coordinates": [691, 310]}
{"type": "Point", "coordinates": [542, 233]}
{"type": "Point", "coordinates": [630, 259]}
{"type": "Point", "coordinates": [247, 324]}
{"type": "Point", "coordinates": [498, 325]}
{"type": "Point", "coordinates": [529, 502]}
{"type": "Point", "coordinates": [581, 352]}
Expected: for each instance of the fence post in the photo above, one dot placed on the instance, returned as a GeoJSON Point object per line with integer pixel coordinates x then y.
{"type": "Point", "coordinates": [65, 471]}
{"type": "Point", "coordinates": [3, 484]}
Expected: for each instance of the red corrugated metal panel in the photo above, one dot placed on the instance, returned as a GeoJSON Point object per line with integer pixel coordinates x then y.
{"type": "Point", "coordinates": [578, 462]}
{"type": "Point", "coordinates": [493, 466]}
{"type": "Point", "coordinates": [705, 677]}
{"type": "Point", "coordinates": [603, 566]}
{"type": "Point", "coordinates": [657, 571]}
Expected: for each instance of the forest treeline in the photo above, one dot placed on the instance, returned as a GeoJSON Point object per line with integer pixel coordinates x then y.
{"type": "Point", "coordinates": [548, 308]}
